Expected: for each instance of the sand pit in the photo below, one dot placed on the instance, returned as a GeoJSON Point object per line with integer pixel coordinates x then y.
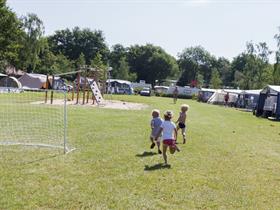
{"type": "Point", "coordinates": [107, 104]}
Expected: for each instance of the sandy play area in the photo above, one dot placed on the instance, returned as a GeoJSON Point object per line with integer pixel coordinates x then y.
{"type": "Point", "coordinates": [109, 104]}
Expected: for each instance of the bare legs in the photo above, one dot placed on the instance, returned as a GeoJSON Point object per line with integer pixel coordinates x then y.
{"type": "Point", "coordinates": [183, 133]}
{"type": "Point", "coordinates": [164, 149]}
{"type": "Point", "coordinates": [153, 144]}
{"type": "Point", "coordinates": [172, 149]}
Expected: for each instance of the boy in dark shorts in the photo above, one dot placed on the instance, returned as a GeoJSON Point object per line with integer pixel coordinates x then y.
{"type": "Point", "coordinates": [182, 121]}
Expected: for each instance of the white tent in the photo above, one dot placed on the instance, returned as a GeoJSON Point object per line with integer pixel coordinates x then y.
{"type": "Point", "coordinates": [234, 91]}
{"type": "Point", "coordinates": [37, 81]}
{"type": "Point", "coordinates": [10, 82]}
{"type": "Point", "coordinates": [251, 92]}
{"type": "Point", "coordinates": [218, 97]}
{"type": "Point", "coordinates": [271, 89]}
{"type": "Point", "coordinates": [204, 94]}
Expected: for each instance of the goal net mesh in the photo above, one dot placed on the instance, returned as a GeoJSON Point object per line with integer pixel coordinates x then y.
{"type": "Point", "coordinates": [27, 119]}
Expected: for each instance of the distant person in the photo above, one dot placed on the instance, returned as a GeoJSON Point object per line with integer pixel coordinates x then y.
{"type": "Point", "coordinates": [155, 126]}
{"type": "Point", "coordinates": [226, 99]}
{"type": "Point", "coordinates": [200, 97]}
{"type": "Point", "coordinates": [182, 121]}
{"type": "Point", "coordinates": [175, 94]}
{"type": "Point", "coordinates": [169, 135]}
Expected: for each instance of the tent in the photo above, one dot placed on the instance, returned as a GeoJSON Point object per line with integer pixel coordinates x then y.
{"type": "Point", "coordinates": [248, 99]}
{"type": "Point", "coordinates": [233, 91]}
{"type": "Point", "coordinates": [269, 102]}
{"type": "Point", "coordinates": [10, 82]}
{"type": "Point", "coordinates": [119, 86]}
{"type": "Point", "coordinates": [204, 94]}
{"type": "Point", "coordinates": [37, 81]}
{"type": "Point", "coordinates": [218, 96]}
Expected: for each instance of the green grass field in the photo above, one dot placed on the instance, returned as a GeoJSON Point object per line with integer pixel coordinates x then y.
{"type": "Point", "coordinates": [231, 161]}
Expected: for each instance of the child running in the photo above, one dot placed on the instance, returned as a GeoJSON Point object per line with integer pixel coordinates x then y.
{"type": "Point", "coordinates": [155, 126]}
{"type": "Point", "coordinates": [169, 135]}
{"type": "Point", "coordinates": [182, 121]}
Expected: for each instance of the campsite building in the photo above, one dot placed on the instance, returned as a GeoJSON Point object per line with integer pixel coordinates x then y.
{"type": "Point", "coordinates": [269, 102]}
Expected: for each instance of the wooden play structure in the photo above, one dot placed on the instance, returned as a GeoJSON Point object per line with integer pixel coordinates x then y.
{"type": "Point", "coordinates": [85, 82]}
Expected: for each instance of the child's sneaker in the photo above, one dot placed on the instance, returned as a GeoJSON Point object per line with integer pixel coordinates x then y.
{"type": "Point", "coordinates": [153, 145]}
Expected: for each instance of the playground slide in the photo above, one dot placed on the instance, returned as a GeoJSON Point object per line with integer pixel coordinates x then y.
{"type": "Point", "coordinates": [96, 92]}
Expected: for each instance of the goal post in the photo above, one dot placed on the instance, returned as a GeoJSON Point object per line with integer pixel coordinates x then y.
{"type": "Point", "coordinates": [27, 119]}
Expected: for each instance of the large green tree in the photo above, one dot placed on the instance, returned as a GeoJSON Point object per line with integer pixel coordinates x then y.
{"type": "Point", "coordinates": [252, 70]}
{"type": "Point", "coordinates": [264, 72]}
{"type": "Point", "coordinates": [276, 67]}
{"type": "Point", "coordinates": [34, 41]}
{"type": "Point", "coordinates": [151, 63]}
{"type": "Point", "coordinates": [72, 43]}
{"type": "Point", "coordinates": [123, 71]}
{"type": "Point", "coordinates": [225, 71]}
{"type": "Point", "coordinates": [194, 61]}
{"type": "Point", "coordinates": [215, 81]}
{"type": "Point", "coordinates": [118, 54]}
{"type": "Point", "coordinates": [11, 35]}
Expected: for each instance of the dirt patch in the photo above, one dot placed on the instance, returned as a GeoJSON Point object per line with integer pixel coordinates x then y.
{"type": "Point", "coordinates": [107, 104]}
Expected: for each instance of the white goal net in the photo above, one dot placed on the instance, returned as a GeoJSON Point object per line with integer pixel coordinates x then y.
{"type": "Point", "coordinates": [27, 119]}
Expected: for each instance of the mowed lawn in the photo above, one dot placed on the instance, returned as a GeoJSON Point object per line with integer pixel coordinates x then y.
{"type": "Point", "coordinates": [231, 161]}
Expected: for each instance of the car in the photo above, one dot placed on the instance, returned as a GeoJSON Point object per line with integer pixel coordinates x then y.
{"type": "Point", "coordinates": [145, 92]}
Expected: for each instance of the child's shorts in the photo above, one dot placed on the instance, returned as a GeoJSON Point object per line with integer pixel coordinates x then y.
{"type": "Point", "coordinates": [182, 125]}
{"type": "Point", "coordinates": [183, 128]}
{"type": "Point", "coordinates": [169, 142]}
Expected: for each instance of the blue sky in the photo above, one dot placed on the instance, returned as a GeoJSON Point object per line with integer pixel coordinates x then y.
{"type": "Point", "coordinates": [221, 27]}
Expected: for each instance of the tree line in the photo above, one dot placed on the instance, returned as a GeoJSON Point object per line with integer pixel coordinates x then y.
{"type": "Point", "coordinates": [23, 45]}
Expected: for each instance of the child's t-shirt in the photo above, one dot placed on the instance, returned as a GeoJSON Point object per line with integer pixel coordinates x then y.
{"type": "Point", "coordinates": [156, 123]}
{"type": "Point", "coordinates": [168, 129]}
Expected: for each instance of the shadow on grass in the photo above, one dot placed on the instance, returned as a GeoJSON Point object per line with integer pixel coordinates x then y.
{"type": "Point", "coordinates": [24, 161]}
{"type": "Point", "coordinates": [146, 154]}
{"type": "Point", "coordinates": [41, 159]}
{"type": "Point", "coordinates": [157, 167]}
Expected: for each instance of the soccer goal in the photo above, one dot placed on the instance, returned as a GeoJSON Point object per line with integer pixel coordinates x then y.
{"type": "Point", "coordinates": [27, 119]}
